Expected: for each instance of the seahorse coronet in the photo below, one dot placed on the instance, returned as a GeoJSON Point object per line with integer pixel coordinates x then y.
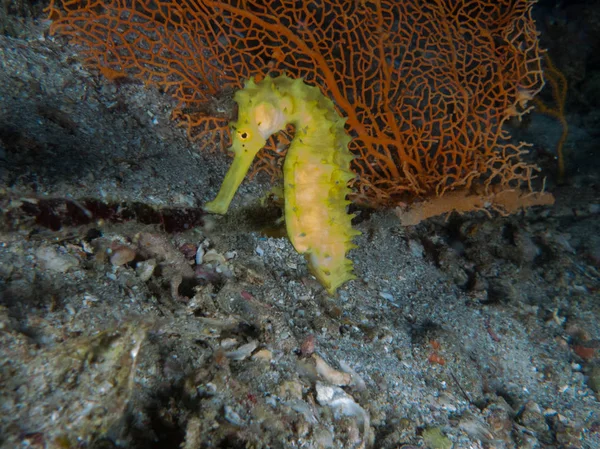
{"type": "Point", "coordinates": [316, 170]}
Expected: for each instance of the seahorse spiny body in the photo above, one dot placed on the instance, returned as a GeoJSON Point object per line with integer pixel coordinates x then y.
{"type": "Point", "coordinates": [316, 170]}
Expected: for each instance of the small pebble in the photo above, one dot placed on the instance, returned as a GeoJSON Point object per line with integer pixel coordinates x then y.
{"type": "Point", "coordinates": [145, 269]}
{"type": "Point", "coordinates": [122, 255]}
{"type": "Point", "coordinates": [50, 259]}
{"type": "Point", "coordinates": [232, 416]}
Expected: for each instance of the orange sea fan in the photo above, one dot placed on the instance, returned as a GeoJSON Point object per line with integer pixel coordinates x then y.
{"type": "Point", "coordinates": [426, 84]}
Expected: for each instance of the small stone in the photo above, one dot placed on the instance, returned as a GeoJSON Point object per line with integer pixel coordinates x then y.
{"type": "Point", "coordinates": [594, 379]}
{"type": "Point", "coordinates": [416, 248]}
{"type": "Point", "coordinates": [323, 438]}
{"type": "Point", "coordinates": [6, 269]}
{"type": "Point", "coordinates": [213, 256]}
{"type": "Point", "coordinates": [290, 389]}
{"type": "Point", "coordinates": [232, 416]}
{"type": "Point", "coordinates": [145, 269]}
{"type": "Point", "coordinates": [435, 439]}
{"type": "Point", "coordinates": [386, 295]}
{"type": "Point", "coordinates": [342, 404]}
{"type": "Point", "coordinates": [243, 351]}
{"type": "Point", "coordinates": [308, 346]}
{"type": "Point", "coordinates": [193, 433]}
{"type": "Point", "coordinates": [210, 223]}
{"type": "Point", "coordinates": [188, 250]}
{"type": "Point", "coordinates": [180, 199]}
{"type": "Point", "coordinates": [533, 418]}
{"type": "Point", "coordinates": [200, 255]}
{"type": "Point", "coordinates": [527, 249]}
{"type": "Point", "coordinates": [263, 355]}
{"type": "Point", "coordinates": [50, 259]}
{"type": "Point", "coordinates": [121, 255]}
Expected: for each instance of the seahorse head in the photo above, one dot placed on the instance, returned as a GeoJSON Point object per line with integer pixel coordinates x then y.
{"type": "Point", "coordinates": [263, 109]}
{"type": "Point", "coordinates": [261, 112]}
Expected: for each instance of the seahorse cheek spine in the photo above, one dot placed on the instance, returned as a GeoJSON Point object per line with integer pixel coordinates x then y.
{"type": "Point", "coordinates": [316, 170]}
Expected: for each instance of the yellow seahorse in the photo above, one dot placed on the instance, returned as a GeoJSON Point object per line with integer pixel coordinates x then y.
{"type": "Point", "coordinates": [316, 170]}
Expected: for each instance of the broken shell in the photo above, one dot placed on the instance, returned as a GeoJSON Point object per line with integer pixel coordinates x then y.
{"type": "Point", "coordinates": [342, 404]}
{"type": "Point", "coordinates": [199, 255]}
{"type": "Point", "coordinates": [357, 381]}
{"type": "Point", "coordinates": [50, 259]}
{"type": "Point", "coordinates": [228, 343]}
{"type": "Point", "coordinates": [213, 256]}
{"type": "Point", "coordinates": [329, 374]}
{"type": "Point", "coordinates": [242, 352]}
{"type": "Point", "coordinates": [232, 416]}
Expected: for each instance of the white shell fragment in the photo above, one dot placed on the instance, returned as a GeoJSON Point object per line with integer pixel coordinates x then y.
{"type": "Point", "coordinates": [199, 255]}
{"type": "Point", "coordinates": [329, 374]}
{"type": "Point", "coordinates": [232, 416]}
{"type": "Point", "coordinates": [145, 269]}
{"type": "Point", "coordinates": [50, 259]}
{"type": "Point", "coordinates": [342, 404]}
{"type": "Point", "coordinates": [213, 256]}
{"type": "Point", "coordinates": [230, 255]}
{"type": "Point", "coordinates": [357, 381]}
{"type": "Point", "coordinates": [243, 351]}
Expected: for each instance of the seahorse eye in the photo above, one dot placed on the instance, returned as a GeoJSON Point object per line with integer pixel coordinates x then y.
{"type": "Point", "coordinates": [244, 135]}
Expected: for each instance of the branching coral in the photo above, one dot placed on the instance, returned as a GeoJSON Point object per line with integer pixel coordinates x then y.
{"type": "Point", "coordinates": [426, 85]}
